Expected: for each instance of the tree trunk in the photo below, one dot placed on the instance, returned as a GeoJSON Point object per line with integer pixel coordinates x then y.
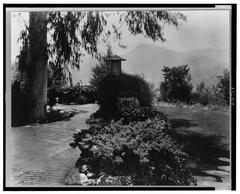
{"type": "Point", "coordinates": [37, 69]}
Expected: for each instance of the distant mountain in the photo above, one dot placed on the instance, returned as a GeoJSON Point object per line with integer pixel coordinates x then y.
{"type": "Point", "coordinates": [149, 60]}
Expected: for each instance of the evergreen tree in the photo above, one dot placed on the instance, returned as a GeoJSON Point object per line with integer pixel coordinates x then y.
{"type": "Point", "coordinates": [177, 84]}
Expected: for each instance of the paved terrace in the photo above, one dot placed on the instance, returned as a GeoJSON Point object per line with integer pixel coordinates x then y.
{"type": "Point", "coordinates": [41, 155]}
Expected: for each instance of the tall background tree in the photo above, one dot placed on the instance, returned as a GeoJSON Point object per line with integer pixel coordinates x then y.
{"type": "Point", "coordinates": [177, 84]}
{"type": "Point", "coordinates": [73, 34]}
{"type": "Point", "coordinates": [224, 85]}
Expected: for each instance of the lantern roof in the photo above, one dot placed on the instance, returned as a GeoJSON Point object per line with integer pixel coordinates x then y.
{"type": "Point", "coordinates": [114, 57]}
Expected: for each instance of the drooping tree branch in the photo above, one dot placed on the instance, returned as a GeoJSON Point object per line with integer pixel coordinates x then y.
{"type": "Point", "coordinates": [71, 35]}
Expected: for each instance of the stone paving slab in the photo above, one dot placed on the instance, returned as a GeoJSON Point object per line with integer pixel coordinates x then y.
{"type": "Point", "coordinates": [41, 155]}
{"type": "Point", "coordinates": [224, 159]}
{"type": "Point", "coordinates": [225, 168]}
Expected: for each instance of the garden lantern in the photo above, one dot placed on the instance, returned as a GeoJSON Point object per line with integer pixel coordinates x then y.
{"type": "Point", "coordinates": [115, 62]}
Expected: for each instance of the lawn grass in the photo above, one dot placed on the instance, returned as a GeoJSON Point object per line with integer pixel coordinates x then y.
{"type": "Point", "coordinates": [205, 136]}
{"type": "Point", "coordinates": [209, 121]}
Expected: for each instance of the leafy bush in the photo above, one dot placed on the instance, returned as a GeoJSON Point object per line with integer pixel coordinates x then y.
{"type": "Point", "coordinates": [100, 71]}
{"type": "Point", "coordinates": [224, 85]}
{"type": "Point", "coordinates": [53, 96]}
{"type": "Point", "coordinates": [215, 95]}
{"type": "Point", "coordinates": [19, 104]}
{"type": "Point", "coordinates": [130, 110]}
{"type": "Point", "coordinates": [78, 94]}
{"type": "Point", "coordinates": [82, 99]}
{"type": "Point", "coordinates": [112, 87]}
{"type": "Point", "coordinates": [142, 151]}
{"type": "Point", "coordinates": [207, 95]}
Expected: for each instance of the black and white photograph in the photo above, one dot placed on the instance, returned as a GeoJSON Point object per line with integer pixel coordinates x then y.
{"type": "Point", "coordinates": [119, 96]}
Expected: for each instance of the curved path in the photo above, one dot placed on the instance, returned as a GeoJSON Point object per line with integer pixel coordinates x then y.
{"type": "Point", "coordinates": [41, 154]}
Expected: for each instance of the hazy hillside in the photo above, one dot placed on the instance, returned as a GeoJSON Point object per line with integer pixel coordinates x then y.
{"type": "Point", "coordinates": [148, 60]}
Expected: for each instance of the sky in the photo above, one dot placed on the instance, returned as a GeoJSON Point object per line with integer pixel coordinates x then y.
{"type": "Point", "coordinates": [202, 30]}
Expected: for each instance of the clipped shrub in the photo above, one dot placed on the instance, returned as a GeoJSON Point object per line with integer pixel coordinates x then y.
{"type": "Point", "coordinates": [142, 152]}
{"type": "Point", "coordinates": [112, 87]}
{"type": "Point", "coordinates": [130, 110]}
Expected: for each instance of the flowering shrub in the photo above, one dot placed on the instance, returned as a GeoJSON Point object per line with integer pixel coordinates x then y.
{"type": "Point", "coordinates": [142, 151]}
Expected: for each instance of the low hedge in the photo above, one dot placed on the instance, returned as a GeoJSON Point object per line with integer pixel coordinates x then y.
{"type": "Point", "coordinates": [78, 94]}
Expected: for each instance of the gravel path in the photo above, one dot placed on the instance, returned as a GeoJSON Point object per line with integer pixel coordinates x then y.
{"type": "Point", "coordinates": [41, 154]}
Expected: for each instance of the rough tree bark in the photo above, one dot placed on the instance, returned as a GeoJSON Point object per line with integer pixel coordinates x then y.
{"type": "Point", "coordinates": [37, 70]}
